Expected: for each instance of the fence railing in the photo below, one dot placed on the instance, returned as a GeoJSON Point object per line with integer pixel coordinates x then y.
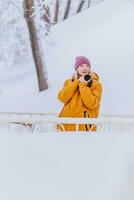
{"type": "Point", "coordinates": [48, 122]}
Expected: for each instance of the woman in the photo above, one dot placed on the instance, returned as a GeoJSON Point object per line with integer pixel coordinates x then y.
{"type": "Point", "coordinates": [81, 96]}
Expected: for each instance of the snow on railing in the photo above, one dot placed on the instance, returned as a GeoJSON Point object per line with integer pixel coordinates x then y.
{"type": "Point", "coordinates": [43, 122]}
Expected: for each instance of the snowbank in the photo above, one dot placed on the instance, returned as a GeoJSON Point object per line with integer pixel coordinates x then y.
{"type": "Point", "coordinates": [67, 166]}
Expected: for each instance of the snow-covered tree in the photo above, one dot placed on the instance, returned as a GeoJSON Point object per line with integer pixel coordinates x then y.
{"type": "Point", "coordinates": [13, 32]}
{"type": "Point", "coordinates": [35, 45]}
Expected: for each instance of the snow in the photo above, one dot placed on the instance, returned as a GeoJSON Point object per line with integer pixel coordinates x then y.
{"type": "Point", "coordinates": [66, 166]}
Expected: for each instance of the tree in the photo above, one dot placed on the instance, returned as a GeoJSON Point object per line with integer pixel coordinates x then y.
{"type": "Point", "coordinates": [28, 11]}
{"type": "Point", "coordinates": [80, 6]}
{"type": "Point", "coordinates": [56, 12]}
{"type": "Point", "coordinates": [89, 1]}
{"type": "Point", "coordinates": [67, 9]}
{"type": "Point", "coordinates": [13, 34]}
{"type": "Point", "coordinates": [47, 18]}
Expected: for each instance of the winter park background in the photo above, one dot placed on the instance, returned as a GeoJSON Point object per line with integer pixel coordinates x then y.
{"type": "Point", "coordinates": [67, 166]}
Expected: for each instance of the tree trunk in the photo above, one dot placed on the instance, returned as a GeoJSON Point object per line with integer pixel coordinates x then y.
{"type": "Point", "coordinates": [56, 12]}
{"type": "Point", "coordinates": [67, 9]}
{"type": "Point", "coordinates": [47, 18]}
{"type": "Point", "coordinates": [28, 10]}
{"type": "Point", "coordinates": [80, 6]}
{"type": "Point", "coordinates": [89, 3]}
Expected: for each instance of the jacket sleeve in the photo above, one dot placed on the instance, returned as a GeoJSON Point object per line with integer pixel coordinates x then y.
{"type": "Point", "coordinates": [91, 96]}
{"type": "Point", "coordinates": [68, 90]}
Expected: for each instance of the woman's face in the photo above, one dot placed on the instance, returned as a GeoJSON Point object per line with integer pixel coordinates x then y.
{"type": "Point", "coordinates": [83, 69]}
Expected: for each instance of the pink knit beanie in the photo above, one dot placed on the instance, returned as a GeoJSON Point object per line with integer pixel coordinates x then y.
{"type": "Point", "coordinates": [81, 60]}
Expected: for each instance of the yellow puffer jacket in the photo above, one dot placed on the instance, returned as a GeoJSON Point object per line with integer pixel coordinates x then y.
{"type": "Point", "coordinates": [80, 101]}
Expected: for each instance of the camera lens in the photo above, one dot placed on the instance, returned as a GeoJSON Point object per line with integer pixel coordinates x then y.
{"type": "Point", "coordinates": [87, 77]}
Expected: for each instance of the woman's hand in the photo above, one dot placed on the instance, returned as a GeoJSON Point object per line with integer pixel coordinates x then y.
{"type": "Point", "coordinates": [75, 76]}
{"type": "Point", "coordinates": [81, 79]}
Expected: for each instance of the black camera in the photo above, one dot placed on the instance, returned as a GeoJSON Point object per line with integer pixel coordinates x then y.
{"type": "Point", "coordinates": [88, 79]}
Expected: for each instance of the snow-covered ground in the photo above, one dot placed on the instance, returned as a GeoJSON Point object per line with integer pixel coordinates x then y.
{"type": "Point", "coordinates": [67, 166]}
{"type": "Point", "coordinates": [104, 34]}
